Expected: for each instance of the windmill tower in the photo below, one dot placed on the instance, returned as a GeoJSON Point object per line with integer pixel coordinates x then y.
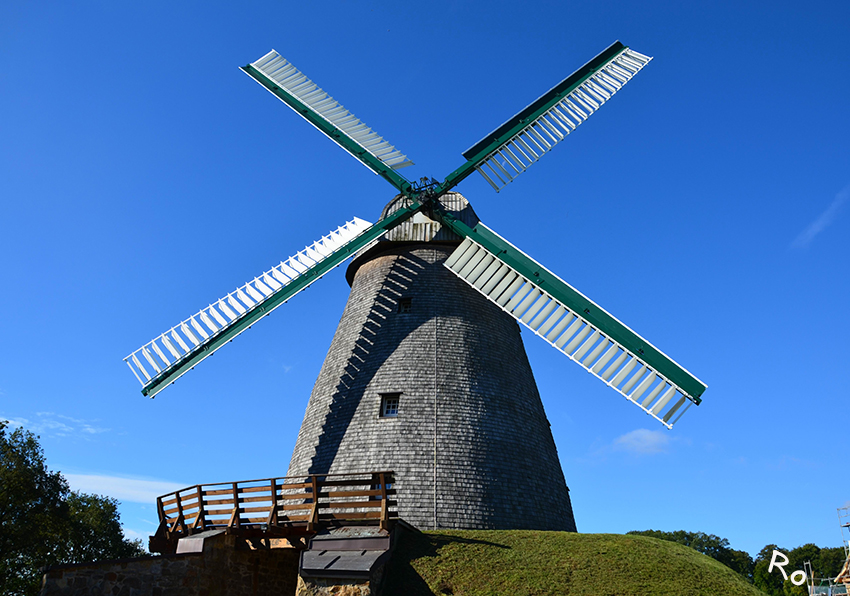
{"type": "Point", "coordinates": [426, 373]}
{"type": "Point", "coordinates": [428, 378]}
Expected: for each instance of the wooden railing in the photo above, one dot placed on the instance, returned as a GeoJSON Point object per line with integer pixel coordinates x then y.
{"type": "Point", "coordinates": [275, 505]}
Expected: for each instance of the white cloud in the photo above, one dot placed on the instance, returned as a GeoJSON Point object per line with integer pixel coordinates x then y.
{"type": "Point", "coordinates": [93, 430]}
{"type": "Point", "coordinates": [643, 441]}
{"type": "Point", "coordinates": [16, 422]}
{"type": "Point", "coordinates": [134, 490]}
{"type": "Point", "coordinates": [131, 534]}
{"type": "Point", "coordinates": [56, 425]}
{"type": "Point", "coordinates": [824, 219]}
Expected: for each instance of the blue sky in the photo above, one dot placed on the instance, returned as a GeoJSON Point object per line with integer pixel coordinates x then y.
{"type": "Point", "coordinates": [142, 176]}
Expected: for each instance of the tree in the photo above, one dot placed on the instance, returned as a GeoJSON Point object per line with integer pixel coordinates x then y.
{"type": "Point", "coordinates": [831, 561]}
{"type": "Point", "coordinates": [826, 563]}
{"type": "Point", "coordinates": [769, 583]}
{"type": "Point", "coordinates": [94, 531]}
{"type": "Point", "coordinates": [708, 544]}
{"type": "Point", "coordinates": [42, 522]}
{"type": "Point", "coordinates": [32, 511]}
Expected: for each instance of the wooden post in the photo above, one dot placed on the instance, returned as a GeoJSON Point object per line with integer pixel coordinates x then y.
{"type": "Point", "coordinates": [181, 521]}
{"type": "Point", "coordinates": [163, 521]}
{"type": "Point", "coordinates": [234, 517]}
{"type": "Point", "coordinates": [160, 509]}
{"type": "Point", "coordinates": [314, 514]}
{"type": "Point", "coordinates": [272, 521]}
{"type": "Point", "coordinates": [199, 518]}
{"type": "Point", "coordinates": [385, 512]}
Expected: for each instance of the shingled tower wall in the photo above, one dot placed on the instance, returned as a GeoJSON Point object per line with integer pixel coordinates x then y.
{"type": "Point", "coordinates": [471, 446]}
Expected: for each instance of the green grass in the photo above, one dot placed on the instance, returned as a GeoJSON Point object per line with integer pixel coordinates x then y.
{"type": "Point", "coordinates": [530, 563]}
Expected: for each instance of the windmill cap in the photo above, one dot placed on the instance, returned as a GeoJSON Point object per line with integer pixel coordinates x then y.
{"type": "Point", "coordinates": [417, 229]}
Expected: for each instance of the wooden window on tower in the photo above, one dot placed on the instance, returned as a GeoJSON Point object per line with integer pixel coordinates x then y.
{"type": "Point", "coordinates": [389, 405]}
{"type": "Point", "coordinates": [404, 305]}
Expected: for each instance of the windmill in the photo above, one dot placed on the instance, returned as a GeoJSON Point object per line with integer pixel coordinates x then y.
{"type": "Point", "coordinates": [429, 262]}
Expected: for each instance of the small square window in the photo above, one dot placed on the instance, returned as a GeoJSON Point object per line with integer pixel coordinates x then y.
{"type": "Point", "coordinates": [404, 305]}
{"type": "Point", "coordinates": [389, 405]}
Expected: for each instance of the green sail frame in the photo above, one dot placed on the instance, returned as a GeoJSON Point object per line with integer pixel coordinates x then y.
{"type": "Point", "coordinates": [595, 315]}
{"type": "Point", "coordinates": [226, 334]}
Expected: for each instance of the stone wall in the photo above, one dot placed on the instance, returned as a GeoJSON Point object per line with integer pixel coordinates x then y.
{"type": "Point", "coordinates": [334, 587]}
{"type": "Point", "coordinates": [218, 571]}
{"type": "Point", "coordinates": [471, 445]}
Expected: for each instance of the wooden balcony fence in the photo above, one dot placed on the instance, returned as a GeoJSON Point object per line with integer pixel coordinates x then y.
{"type": "Point", "coordinates": [278, 506]}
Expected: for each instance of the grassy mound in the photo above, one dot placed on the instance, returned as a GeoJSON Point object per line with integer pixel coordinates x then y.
{"type": "Point", "coordinates": [529, 563]}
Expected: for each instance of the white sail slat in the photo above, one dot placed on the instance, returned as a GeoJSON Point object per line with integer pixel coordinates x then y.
{"type": "Point", "coordinates": [568, 331]}
{"type": "Point", "coordinates": [540, 136]}
{"type": "Point", "coordinates": [203, 327]}
{"type": "Point", "coordinates": [288, 78]}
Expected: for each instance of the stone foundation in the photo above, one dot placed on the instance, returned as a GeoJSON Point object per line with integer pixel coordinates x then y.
{"type": "Point", "coordinates": [224, 568]}
{"type": "Point", "coordinates": [317, 586]}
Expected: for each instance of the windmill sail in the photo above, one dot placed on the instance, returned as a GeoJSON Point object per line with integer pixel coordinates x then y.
{"type": "Point", "coordinates": [509, 150]}
{"type": "Point", "coordinates": [321, 110]}
{"type": "Point", "coordinates": [573, 324]}
{"type": "Point", "coordinates": [164, 359]}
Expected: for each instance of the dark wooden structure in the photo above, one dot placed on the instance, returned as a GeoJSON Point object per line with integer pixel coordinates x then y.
{"type": "Point", "coordinates": [285, 507]}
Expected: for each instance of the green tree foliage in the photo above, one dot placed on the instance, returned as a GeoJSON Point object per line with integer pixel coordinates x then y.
{"type": "Point", "coordinates": [94, 530]}
{"type": "Point", "coordinates": [826, 563]}
{"type": "Point", "coordinates": [769, 583]}
{"type": "Point", "coordinates": [42, 522]}
{"type": "Point", "coordinates": [708, 544]}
